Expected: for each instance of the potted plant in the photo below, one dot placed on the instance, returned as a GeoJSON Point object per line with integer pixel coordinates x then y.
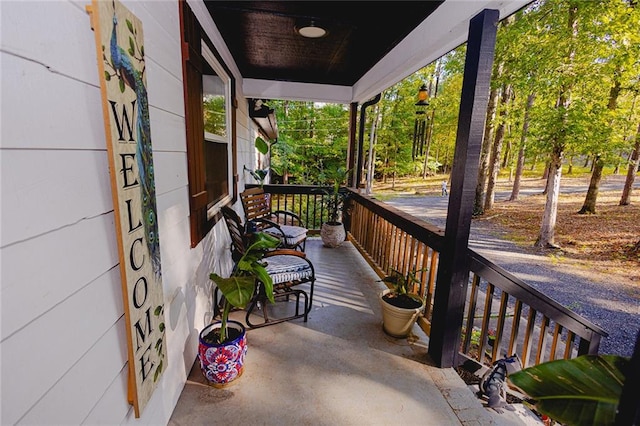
{"type": "Point", "coordinates": [400, 307]}
{"type": "Point", "coordinates": [332, 231]}
{"type": "Point", "coordinates": [223, 344]}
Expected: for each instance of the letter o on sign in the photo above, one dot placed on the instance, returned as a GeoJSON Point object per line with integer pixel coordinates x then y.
{"type": "Point", "coordinates": [140, 292]}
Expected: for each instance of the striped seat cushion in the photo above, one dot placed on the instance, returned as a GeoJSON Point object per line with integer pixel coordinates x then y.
{"type": "Point", "coordinates": [284, 269]}
{"type": "Point", "coordinates": [294, 235]}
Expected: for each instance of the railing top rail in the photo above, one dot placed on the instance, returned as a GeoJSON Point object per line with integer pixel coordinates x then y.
{"type": "Point", "coordinates": [542, 303]}
{"type": "Point", "coordinates": [421, 230]}
{"type": "Point", "coordinates": [291, 189]}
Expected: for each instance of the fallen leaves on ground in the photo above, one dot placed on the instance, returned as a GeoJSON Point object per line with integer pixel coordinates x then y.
{"type": "Point", "coordinates": [600, 243]}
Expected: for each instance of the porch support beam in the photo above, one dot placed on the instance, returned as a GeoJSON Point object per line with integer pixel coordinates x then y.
{"type": "Point", "coordinates": [453, 268]}
{"type": "Point", "coordinates": [360, 153]}
{"type": "Point", "coordinates": [352, 151]}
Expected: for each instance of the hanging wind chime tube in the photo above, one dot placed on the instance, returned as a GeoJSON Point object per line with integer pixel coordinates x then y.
{"type": "Point", "coordinates": [420, 125]}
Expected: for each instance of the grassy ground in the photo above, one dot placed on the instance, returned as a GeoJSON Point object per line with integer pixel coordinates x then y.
{"type": "Point", "coordinates": [600, 244]}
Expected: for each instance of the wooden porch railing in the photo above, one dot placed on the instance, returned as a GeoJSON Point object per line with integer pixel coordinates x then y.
{"type": "Point", "coordinates": [307, 201]}
{"type": "Point", "coordinates": [504, 315]}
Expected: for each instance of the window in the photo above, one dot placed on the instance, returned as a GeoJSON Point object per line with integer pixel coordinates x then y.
{"type": "Point", "coordinates": [210, 123]}
{"type": "Point", "coordinates": [215, 104]}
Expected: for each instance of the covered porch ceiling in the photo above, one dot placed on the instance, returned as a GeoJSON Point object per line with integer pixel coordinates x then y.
{"type": "Point", "coordinates": [368, 47]}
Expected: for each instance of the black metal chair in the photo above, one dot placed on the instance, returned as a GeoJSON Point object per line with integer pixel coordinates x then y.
{"type": "Point", "coordinates": [286, 267]}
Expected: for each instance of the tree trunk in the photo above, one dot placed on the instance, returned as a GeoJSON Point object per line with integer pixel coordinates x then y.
{"type": "Point", "coordinates": [570, 168]}
{"type": "Point", "coordinates": [507, 153]}
{"type": "Point", "coordinates": [589, 206]}
{"type": "Point", "coordinates": [546, 239]}
{"type": "Point", "coordinates": [523, 147]}
{"type": "Point", "coordinates": [634, 162]}
{"type": "Point", "coordinates": [494, 161]}
{"type": "Point", "coordinates": [478, 208]}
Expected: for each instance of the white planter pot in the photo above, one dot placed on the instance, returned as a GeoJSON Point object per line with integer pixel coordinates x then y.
{"type": "Point", "coordinates": [332, 234]}
{"type": "Point", "coordinates": [398, 322]}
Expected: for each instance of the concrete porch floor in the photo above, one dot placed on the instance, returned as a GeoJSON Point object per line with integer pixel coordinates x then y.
{"type": "Point", "coordinates": [339, 368]}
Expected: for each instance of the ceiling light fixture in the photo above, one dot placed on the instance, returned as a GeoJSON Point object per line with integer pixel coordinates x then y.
{"type": "Point", "coordinates": [311, 30]}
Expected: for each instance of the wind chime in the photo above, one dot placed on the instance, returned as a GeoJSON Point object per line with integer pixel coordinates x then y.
{"type": "Point", "coordinates": [420, 125]}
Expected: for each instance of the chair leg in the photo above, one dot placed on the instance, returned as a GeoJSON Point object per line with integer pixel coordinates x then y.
{"type": "Point", "coordinates": [311, 285]}
{"type": "Point", "coordinates": [283, 295]}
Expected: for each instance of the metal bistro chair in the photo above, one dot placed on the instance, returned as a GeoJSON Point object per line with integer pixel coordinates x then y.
{"type": "Point", "coordinates": [287, 268]}
{"type": "Point", "coordinates": [282, 224]}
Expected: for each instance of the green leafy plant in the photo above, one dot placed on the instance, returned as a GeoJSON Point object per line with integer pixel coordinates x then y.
{"type": "Point", "coordinates": [334, 199]}
{"type": "Point", "coordinates": [263, 148]}
{"type": "Point", "coordinates": [239, 288]}
{"type": "Point", "coordinates": [581, 391]}
{"type": "Point", "coordinates": [401, 296]}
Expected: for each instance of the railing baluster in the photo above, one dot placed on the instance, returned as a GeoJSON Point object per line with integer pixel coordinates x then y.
{"type": "Point", "coordinates": [486, 319]}
{"type": "Point", "coordinates": [557, 334]}
{"type": "Point", "coordinates": [528, 335]}
{"type": "Point", "coordinates": [568, 349]}
{"type": "Point", "coordinates": [542, 339]}
{"type": "Point", "coordinates": [515, 328]}
{"type": "Point", "coordinates": [502, 316]}
{"type": "Point", "coordinates": [471, 314]}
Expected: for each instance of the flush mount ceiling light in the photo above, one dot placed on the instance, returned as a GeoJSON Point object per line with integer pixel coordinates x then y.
{"type": "Point", "coordinates": [311, 30]}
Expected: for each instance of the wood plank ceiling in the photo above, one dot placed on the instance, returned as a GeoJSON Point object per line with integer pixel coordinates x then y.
{"type": "Point", "coordinates": [262, 36]}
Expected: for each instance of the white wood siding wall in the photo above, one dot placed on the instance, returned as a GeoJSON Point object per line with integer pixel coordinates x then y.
{"type": "Point", "coordinates": [63, 340]}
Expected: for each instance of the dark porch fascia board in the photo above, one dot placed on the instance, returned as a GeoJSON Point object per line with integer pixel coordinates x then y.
{"type": "Point", "coordinates": [453, 269]}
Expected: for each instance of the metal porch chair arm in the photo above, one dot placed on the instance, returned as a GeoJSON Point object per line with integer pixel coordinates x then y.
{"type": "Point", "coordinates": [287, 213]}
{"type": "Point", "coordinates": [266, 223]}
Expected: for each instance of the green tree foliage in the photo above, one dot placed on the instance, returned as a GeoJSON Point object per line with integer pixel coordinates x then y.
{"type": "Point", "coordinates": [312, 136]}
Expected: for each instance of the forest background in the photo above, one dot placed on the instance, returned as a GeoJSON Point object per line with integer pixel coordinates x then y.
{"type": "Point", "coordinates": [564, 100]}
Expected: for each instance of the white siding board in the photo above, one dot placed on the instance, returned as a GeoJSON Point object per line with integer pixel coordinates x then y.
{"type": "Point", "coordinates": [113, 408]}
{"type": "Point", "coordinates": [171, 171]}
{"type": "Point", "coordinates": [89, 249]}
{"type": "Point", "coordinates": [165, 13]}
{"type": "Point", "coordinates": [68, 402]}
{"type": "Point", "coordinates": [49, 346]}
{"type": "Point", "coordinates": [48, 110]}
{"type": "Point", "coordinates": [55, 33]}
{"type": "Point", "coordinates": [161, 40]}
{"type": "Point", "coordinates": [43, 190]}
{"type": "Point", "coordinates": [175, 272]}
{"type": "Point", "coordinates": [175, 238]}
{"type": "Point", "coordinates": [163, 89]}
{"type": "Point", "coordinates": [168, 132]}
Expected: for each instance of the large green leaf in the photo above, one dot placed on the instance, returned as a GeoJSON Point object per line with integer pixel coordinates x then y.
{"type": "Point", "coordinates": [237, 290]}
{"type": "Point", "coordinates": [262, 146]}
{"type": "Point", "coordinates": [580, 391]}
{"type": "Point", "coordinates": [263, 241]}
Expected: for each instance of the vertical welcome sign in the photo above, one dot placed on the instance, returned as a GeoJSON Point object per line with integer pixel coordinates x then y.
{"type": "Point", "coordinates": [121, 65]}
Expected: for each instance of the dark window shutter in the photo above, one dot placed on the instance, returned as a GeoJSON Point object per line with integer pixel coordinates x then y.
{"type": "Point", "coordinates": [192, 63]}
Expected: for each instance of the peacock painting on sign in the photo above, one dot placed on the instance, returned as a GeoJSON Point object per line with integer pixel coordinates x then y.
{"type": "Point", "coordinates": [121, 64]}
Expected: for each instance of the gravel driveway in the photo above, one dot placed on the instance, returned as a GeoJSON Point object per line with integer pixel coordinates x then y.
{"type": "Point", "coordinates": [613, 306]}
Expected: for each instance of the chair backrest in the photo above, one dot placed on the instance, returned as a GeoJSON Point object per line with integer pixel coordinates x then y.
{"type": "Point", "coordinates": [256, 203]}
{"type": "Point", "coordinates": [237, 232]}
